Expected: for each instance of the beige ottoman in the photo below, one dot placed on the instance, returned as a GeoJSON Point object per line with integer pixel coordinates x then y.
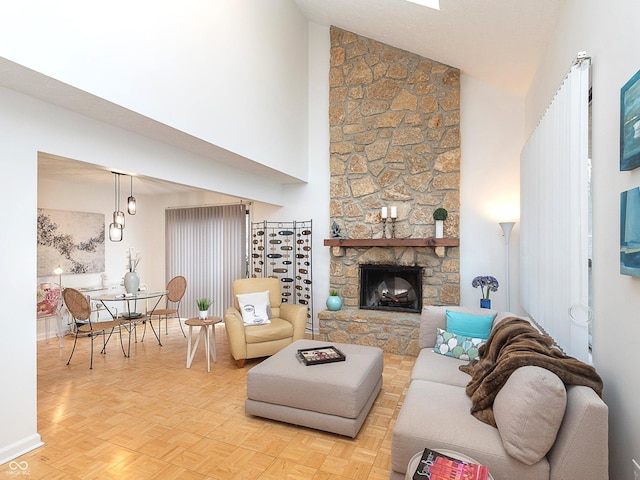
{"type": "Point", "coordinates": [334, 397]}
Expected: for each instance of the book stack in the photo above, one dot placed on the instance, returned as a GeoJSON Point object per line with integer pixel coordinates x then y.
{"type": "Point", "coordinates": [438, 466]}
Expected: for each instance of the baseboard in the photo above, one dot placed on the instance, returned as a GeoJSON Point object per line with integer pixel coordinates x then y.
{"type": "Point", "coordinates": [16, 449]}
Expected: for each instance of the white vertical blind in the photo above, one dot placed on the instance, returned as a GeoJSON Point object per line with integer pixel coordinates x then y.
{"type": "Point", "coordinates": [554, 216]}
{"type": "Point", "coordinates": [207, 245]}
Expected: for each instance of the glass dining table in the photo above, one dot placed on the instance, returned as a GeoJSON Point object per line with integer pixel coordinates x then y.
{"type": "Point", "coordinates": [129, 316]}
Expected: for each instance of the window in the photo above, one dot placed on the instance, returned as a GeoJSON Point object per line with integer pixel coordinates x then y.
{"type": "Point", "coordinates": [207, 245]}
{"type": "Point", "coordinates": [554, 230]}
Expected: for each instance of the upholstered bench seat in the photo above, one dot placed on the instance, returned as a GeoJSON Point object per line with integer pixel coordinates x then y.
{"type": "Point", "coordinates": [334, 397]}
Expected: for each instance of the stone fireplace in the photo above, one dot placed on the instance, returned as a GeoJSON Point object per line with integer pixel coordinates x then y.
{"type": "Point", "coordinates": [394, 142]}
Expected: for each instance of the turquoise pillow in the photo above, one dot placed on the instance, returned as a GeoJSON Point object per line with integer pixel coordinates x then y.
{"type": "Point", "coordinates": [469, 325]}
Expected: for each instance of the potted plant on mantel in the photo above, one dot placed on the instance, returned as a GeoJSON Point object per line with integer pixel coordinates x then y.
{"type": "Point", "coordinates": [203, 307]}
{"type": "Point", "coordinates": [440, 215]}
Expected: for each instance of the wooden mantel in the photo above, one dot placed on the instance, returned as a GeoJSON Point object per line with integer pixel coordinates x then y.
{"type": "Point", "coordinates": [391, 242]}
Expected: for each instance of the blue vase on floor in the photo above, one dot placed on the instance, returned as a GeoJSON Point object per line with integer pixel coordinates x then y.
{"type": "Point", "coordinates": [485, 303]}
{"type": "Point", "coordinates": [334, 303]}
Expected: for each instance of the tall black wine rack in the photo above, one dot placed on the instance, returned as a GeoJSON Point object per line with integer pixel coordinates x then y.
{"type": "Point", "coordinates": [283, 250]}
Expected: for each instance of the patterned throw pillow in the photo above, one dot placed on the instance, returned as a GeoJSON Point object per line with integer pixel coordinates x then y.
{"type": "Point", "coordinates": [457, 346]}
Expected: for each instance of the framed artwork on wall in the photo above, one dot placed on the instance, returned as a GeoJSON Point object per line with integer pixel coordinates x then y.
{"type": "Point", "coordinates": [630, 124]}
{"type": "Point", "coordinates": [630, 232]}
{"type": "Point", "coordinates": [73, 240]}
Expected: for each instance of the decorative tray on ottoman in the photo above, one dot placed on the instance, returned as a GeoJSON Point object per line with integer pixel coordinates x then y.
{"type": "Point", "coordinates": [315, 356]}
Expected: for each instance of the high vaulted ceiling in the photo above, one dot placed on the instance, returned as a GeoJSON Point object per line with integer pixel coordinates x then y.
{"type": "Point", "coordinates": [499, 42]}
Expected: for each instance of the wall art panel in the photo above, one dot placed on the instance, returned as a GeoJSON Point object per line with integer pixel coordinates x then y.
{"type": "Point", "coordinates": [73, 240]}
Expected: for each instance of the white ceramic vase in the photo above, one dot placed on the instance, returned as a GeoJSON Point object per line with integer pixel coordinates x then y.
{"type": "Point", "coordinates": [439, 228]}
{"type": "Point", "coordinates": [202, 314]}
{"type": "Point", "coordinates": [131, 282]}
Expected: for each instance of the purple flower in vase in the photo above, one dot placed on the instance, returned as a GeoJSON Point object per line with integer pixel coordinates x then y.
{"type": "Point", "coordinates": [487, 285]}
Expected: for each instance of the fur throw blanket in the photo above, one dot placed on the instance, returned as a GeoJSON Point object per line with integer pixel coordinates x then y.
{"type": "Point", "coordinates": [514, 343]}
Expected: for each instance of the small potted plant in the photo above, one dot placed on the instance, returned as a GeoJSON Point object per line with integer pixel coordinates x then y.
{"type": "Point", "coordinates": [440, 215]}
{"type": "Point", "coordinates": [203, 307]}
{"type": "Point", "coordinates": [334, 302]}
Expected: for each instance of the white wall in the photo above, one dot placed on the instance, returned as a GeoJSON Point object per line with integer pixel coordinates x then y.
{"type": "Point", "coordinates": [230, 73]}
{"type": "Point", "coordinates": [607, 31]}
{"type": "Point", "coordinates": [18, 330]}
{"type": "Point", "coordinates": [311, 200]}
{"type": "Point", "coordinates": [492, 134]}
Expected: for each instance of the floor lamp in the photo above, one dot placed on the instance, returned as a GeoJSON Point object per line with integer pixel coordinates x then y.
{"type": "Point", "coordinates": [506, 229]}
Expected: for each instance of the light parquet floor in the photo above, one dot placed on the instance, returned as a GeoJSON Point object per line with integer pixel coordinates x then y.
{"type": "Point", "coordinates": [149, 417]}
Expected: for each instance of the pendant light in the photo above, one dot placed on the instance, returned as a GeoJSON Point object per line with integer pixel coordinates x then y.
{"type": "Point", "coordinates": [118, 216]}
{"type": "Point", "coordinates": [131, 201]}
{"type": "Point", "coordinates": [115, 228]}
{"type": "Point", "coordinates": [115, 233]}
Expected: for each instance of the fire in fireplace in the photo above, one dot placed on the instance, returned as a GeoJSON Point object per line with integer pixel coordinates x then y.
{"type": "Point", "coordinates": [391, 287]}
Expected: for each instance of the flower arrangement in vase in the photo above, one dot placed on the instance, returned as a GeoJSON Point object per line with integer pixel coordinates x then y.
{"type": "Point", "coordinates": [132, 262]}
{"type": "Point", "coordinates": [487, 285]}
{"type": "Point", "coordinates": [131, 278]}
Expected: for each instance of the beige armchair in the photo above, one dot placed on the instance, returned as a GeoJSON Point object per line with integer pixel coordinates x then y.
{"type": "Point", "coordinates": [288, 322]}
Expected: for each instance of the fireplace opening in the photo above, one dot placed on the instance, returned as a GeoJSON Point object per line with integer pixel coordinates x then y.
{"type": "Point", "coordinates": [391, 287]}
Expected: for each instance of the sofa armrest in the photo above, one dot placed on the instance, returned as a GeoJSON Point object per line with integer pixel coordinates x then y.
{"type": "Point", "coordinates": [581, 449]}
{"type": "Point", "coordinates": [297, 316]}
{"type": "Point", "coordinates": [234, 327]}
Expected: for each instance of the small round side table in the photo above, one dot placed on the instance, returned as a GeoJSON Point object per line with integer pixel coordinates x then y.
{"type": "Point", "coordinates": [415, 460]}
{"type": "Point", "coordinates": [207, 331]}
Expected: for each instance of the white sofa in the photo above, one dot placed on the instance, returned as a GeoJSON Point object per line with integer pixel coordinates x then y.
{"type": "Point", "coordinates": [529, 409]}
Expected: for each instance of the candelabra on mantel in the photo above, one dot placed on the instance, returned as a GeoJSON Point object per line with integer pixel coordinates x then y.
{"type": "Point", "coordinates": [394, 215]}
{"type": "Point", "coordinates": [384, 213]}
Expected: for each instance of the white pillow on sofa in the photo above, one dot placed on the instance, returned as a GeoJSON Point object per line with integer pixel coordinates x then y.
{"type": "Point", "coordinates": [528, 410]}
{"type": "Point", "coordinates": [253, 307]}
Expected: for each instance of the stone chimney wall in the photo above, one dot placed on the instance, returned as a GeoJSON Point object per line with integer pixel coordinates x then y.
{"type": "Point", "coordinates": [394, 141]}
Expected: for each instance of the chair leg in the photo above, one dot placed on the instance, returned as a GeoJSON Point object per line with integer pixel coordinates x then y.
{"type": "Point", "coordinates": [144, 330]}
{"type": "Point", "coordinates": [91, 361]}
{"type": "Point", "coordinates": [180, 321]}
{"type": "Point", "coordinates": [240, 363]}
{"type": "Point", "coordinates": [105, 341]}
{"type": "Point", "coordinates": [121, 344]}
{"type": "Point", "coordinates": [75, 340]}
